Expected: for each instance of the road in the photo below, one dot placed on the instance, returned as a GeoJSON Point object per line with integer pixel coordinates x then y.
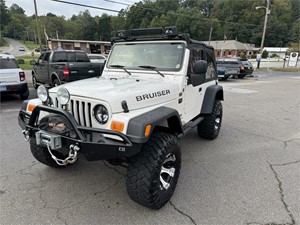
{"type": "Point", "coordinates": [13, 48]}
{"type": "Point", "coordinates": [249, 175]}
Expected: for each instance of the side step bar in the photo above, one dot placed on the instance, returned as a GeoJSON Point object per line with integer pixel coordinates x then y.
{"type": "Point", "coordinates": [190, 126]}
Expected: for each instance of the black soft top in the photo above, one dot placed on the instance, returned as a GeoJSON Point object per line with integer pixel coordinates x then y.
{"type": "Point", "coordinates": [156, 34]}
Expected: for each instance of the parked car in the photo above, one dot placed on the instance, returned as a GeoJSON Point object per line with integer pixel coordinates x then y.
{"type": "Point", "coordinates": [12, 78]}
{"type": "Point", "coordinates": [57, 67]}
{"type": "Point", "coordinates": [227, 68]}
{"type": "Point", "coordinates": [97, 58]}
{"type": "Point", "coordinates": [22, 49]}
{"type": "Point", "coordinates": [248, 67]}
{"type": "Point", "coordinates": [43, 49]}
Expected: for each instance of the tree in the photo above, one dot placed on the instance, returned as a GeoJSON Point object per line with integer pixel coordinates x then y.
{"type": "Point", "coordinates": [4, 15]}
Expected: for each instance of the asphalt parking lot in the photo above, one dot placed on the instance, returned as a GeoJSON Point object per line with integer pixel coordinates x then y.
{"type": "Point", "coordinates": [249, 175]}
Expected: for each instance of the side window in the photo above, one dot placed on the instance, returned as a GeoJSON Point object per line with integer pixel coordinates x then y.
{"type": "Point", "coordinates": [81, 57]}
{"type": "Point", "coordinates": [71, 57]}
{"type": "Point", "coordinates": [211, 73]}
{"type": "Point", "coordinates": [47, 56]}
{"type": "Point", "coordinates": [40, 60]}
{"type": "Point", "coordinates": [196, 54]}
{"type": "Point", "coordinates": [60, 57]}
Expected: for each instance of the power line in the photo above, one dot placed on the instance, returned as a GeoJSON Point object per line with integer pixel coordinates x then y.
{"type": "Point", "coordinates": [161, 11]}
{"type": "Point", "coordinates": [88, 6]}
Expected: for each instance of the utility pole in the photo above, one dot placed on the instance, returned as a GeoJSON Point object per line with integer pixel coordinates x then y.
{"type": "Point", "coordinates": [37, 26]}
{"type": "Point", "coordinates": [210, 35]}
{"type": "Point", "coordinates": [268, 11]}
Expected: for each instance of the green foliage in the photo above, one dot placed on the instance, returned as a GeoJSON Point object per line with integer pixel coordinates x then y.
{"type": "Point", "coordinates": [4, 15]}
{"type": "Point", "coordinates": [3, 42]}
{"type": "Point", "coordinates": [236, 19]}
{"type": "Point", "coordinates": [265, 54]}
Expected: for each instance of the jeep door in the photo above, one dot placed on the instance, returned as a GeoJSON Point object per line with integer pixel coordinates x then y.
{"type": "Point", "coordinates": [194, 93]}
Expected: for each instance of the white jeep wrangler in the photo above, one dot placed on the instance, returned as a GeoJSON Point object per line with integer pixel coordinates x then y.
{"type": "Point", "coordinates": [156, 86]}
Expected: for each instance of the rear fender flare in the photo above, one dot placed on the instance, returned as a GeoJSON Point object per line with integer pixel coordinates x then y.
{"type": "Point", "coordinates": [213, 92]}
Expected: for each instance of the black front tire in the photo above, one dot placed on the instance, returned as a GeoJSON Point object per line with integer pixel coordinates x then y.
{"type": "Point", "coordinates": [153, 173]}
{"type": "Point", "coordinates": [34, 82]}
{"type": "Point", "coordinates": [24, 95]}
{"type": "Point", "coordinates": [210, 127]}
{"type": "Point", "coordinates": [42, 155]}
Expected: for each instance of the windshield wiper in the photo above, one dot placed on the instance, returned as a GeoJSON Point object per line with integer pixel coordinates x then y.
{"type": "Point", "coordinates": [152, 68]}
{"type": "Point", "coordinates": [121, 67]}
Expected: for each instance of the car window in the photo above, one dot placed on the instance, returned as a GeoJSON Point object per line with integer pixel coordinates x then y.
{"type": "Point", "coordinates": [81, 57]}
{"type": "Point", "coordinates": [60, 57]}
{"type": "Point", "coordinates": [47, 56]}
{"type": "Point", "coordinates": [8, 63]}
{"type": "Point", "coordinates": [162, 56]}
{"type": "Point", "coordinates": [71, 57]}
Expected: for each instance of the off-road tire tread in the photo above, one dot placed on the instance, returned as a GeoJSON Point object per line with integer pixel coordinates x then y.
{"type": "Point", "coordinates": [206, 128]}
{"type": "Point", "coordinates": [147, 164]}
{"type": "Point", "coordinates": [42, 155]}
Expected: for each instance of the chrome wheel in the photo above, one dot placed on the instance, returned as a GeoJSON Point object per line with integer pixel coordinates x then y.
{"type": "Point", "coordinates": [218, 120]}
{"type": "Point", "coordinates": [167, 171]}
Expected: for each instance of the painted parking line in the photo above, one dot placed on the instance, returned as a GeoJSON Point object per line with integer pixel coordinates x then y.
{"type": "Point", "coordinates": [238, 90]}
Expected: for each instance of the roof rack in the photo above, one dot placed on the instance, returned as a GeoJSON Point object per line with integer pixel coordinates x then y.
{"type": "Point", "coordinates": [159, 33]}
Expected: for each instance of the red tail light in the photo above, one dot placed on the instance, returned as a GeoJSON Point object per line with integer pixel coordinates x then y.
{"type": "Point", "coordinates": [22, 76]}
{"type": "Point", "coordinates": [66, 71]}
{"type": "Point", "coordinates": [242, 68]}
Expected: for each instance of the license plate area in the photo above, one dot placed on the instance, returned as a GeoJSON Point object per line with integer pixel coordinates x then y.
{"type": "Point", "coordinates": [49, 140]}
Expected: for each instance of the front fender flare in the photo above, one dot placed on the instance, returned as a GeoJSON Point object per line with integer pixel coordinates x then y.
{"type": "Point", "coordinates": [137, 125]}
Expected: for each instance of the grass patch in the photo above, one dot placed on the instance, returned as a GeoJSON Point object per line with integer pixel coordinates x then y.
{"type": "Point", "coordinates": [31, 45]}
{"type": "Point", "coordinates": [26, 65]}
{"type": "Point", "coordinates": [285, 69]}
{"type": "Point", "coordinates": [3, 43]}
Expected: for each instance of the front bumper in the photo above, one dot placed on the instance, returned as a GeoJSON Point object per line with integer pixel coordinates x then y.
{"type": "Point", "coordinates": [93, 143]}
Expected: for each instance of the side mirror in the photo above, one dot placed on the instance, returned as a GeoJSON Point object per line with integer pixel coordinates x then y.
{"type": "Point", "coordinates": [200, 67]}
{"type": "Point", "coordinates": [32, 62]}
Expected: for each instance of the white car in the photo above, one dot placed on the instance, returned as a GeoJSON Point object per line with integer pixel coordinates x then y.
{"type": "Point", "coordinates": [22, 49]}
{"type": "Point", "coordinates": [12, 78]}
{"type": "Point", "coordinates": [97, 58]}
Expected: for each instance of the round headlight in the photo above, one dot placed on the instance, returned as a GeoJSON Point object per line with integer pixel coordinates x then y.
{"type": "Point", "coordinates": [63, 96]}
{"type": "Point", "coordinates": [101, 114]}
{"type": "Point", "coordinates": [42, 93]}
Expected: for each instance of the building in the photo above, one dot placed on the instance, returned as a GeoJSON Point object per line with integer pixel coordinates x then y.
{"type": "Point", "coordinates": [279, 51]}
{"type": "Point", "coordinates": [99, 47]}
{"type": "Point", "coordinates": [231, 48]}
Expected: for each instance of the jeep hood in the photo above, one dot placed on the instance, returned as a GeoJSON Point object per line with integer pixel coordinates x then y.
{"type": "Point", "coordinates": [138, 93]}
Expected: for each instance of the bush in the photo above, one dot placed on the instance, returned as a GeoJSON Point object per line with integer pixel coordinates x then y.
{"type": "Point", "coordinates": [21, 61]}
{"type": "Point", "coordinates": [265, 54]}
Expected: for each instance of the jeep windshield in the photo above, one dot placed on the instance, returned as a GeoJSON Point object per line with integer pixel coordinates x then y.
{"type": "Point", "coordinates": [166, 56]}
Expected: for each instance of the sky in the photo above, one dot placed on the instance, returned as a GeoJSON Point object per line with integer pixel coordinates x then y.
{"type": "Point", "coordinates": [61, 9]}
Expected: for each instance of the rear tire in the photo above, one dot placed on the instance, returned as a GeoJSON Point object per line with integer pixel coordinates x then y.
{"type": "Point", "coordinates": [42, 155]}
{"type": "Point", "coordinates": [210, 127]}
{"type": "Point", "coordinates": [153, 173]}
{"type": "Point", "coordinates": [56, 83]}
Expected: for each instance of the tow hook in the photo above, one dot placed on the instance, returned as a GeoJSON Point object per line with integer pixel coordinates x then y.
{"type": "Point", "coordinates": [26, 135]}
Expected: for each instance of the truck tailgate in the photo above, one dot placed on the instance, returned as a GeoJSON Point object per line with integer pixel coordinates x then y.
{"type": "Point", "coordinates": [83, 70]}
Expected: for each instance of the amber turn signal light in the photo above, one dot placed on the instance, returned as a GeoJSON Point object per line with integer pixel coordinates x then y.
{"type": "Point", "coordinates": [30, 108]}
{"type": "Point", "coordinates": [117, 126]}
{"type": "Point", "coordinates": [147, 130]}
